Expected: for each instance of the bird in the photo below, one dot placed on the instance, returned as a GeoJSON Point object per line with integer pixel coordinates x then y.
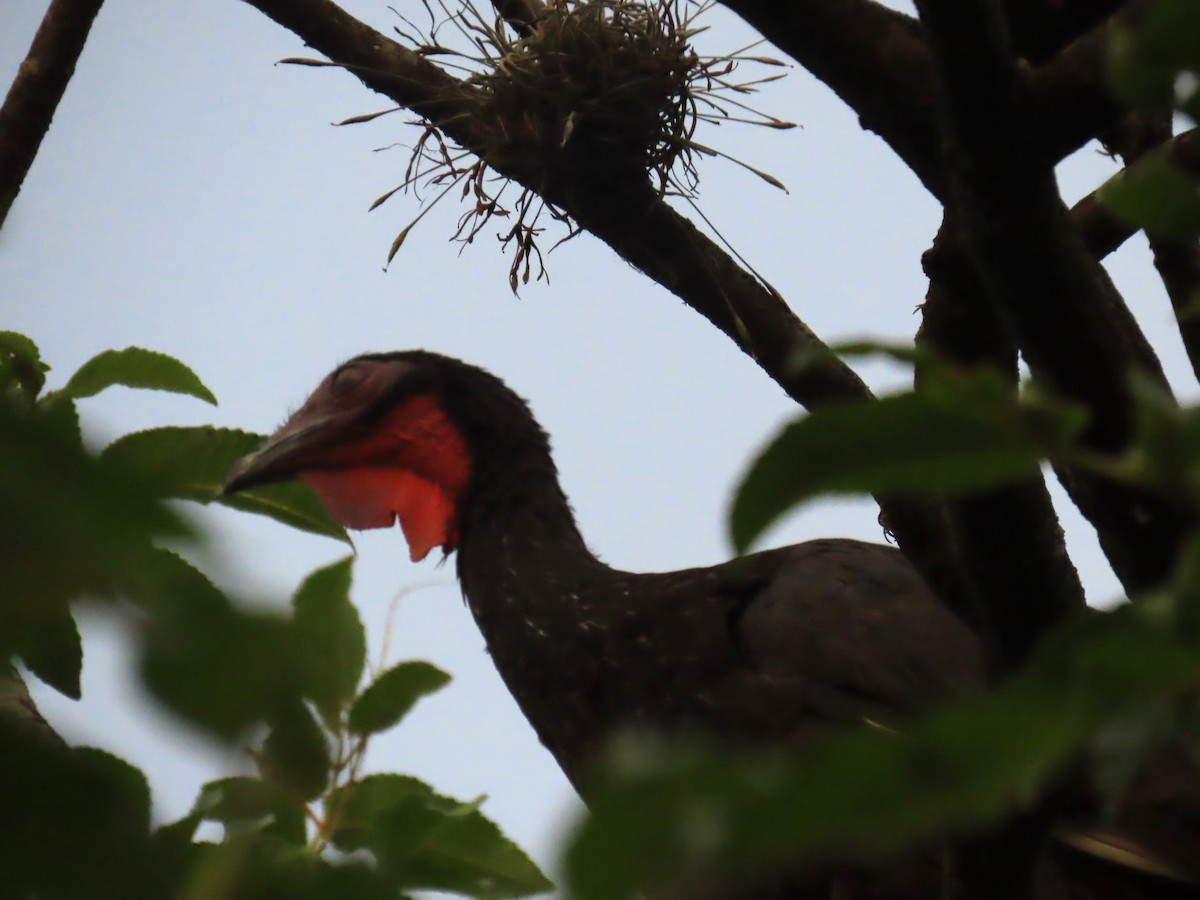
{"type": "Point", "coordinates": [769, 648]}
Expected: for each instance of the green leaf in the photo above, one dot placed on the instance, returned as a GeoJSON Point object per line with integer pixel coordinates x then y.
{"type": "Point", "coordinates": [389, 698]}
{"type": "Point", "coordinates": [1156, 196]}
{"type": "Point", "coordinates": [256, 866]}
{"type": "Point", "coordinates": [21, 365]}
{"type": "Point", "coordinates": [220, 668]}
{"type": "Point", "coordinates": [424, 840]}
{"type": "Point", "coordinates": [1147, 57]}
{"type": "Point", "coordinates": [191, 463]}
{"type": "Point", "coordinates": [172, 848]}
{"type": "Point", "coordinates": [75, 820]}
{"type": "Point", "coordinates": [295, 755]}
{"type": "Point", "coordinates": [956, 436]}
{"type": "Point", "coordinates": [52, 650]}
{"type": "Point", "coordinates": [676, 814]}
{"type": "Point", "coordinates": [136, 368]}
{"type": "Point", "coordinates": [1165, 454]}
{"type": "Point", "coordinates": [71, 526]}
{"type": "Point", "coordinates": [906, 354]}
{"type": "Point", "coordinates": [332, 640]}
{"type": "Point", "coordinates": [247, 805]}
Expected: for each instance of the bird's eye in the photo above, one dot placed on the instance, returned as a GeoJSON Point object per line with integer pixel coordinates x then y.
{"type": "Point", "coordinates": [345, 379]}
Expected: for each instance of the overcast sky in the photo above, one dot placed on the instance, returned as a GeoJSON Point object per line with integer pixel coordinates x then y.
{"type": "Point", "coordinates": [192, 198]}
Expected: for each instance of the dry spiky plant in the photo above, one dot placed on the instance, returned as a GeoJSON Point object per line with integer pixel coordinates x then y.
{"type": "Point", "coordinates": [588, 86]}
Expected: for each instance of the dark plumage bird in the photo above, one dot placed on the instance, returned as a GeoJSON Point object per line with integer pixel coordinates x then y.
{"type": "Point", "coordinates": [768, 647]}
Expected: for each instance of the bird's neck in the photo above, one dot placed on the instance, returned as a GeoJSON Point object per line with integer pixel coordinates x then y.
{"type": "Point", "coordinates": [532, 584]}
{"type": "Point", "coordinates": [521, 556]}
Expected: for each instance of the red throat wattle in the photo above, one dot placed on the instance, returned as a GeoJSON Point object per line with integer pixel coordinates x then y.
{"type": "Point", "coordinates": [413, 466]}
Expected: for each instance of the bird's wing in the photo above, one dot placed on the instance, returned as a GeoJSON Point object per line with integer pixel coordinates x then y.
{"type": "Point", "coordinates": [841, 630]}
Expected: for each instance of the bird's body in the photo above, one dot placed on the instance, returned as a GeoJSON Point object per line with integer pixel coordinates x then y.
{"type": "Point", "coordinates": [765, 648]}
{"type": "Point", "coordinates": [768, 647]}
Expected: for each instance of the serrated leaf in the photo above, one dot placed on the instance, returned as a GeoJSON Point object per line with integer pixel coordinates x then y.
{"type": "Point", "coordinates": [389, 698]}
{"type": "Point", "coordinates": [1156, 196]}
{"type": "Point", "coordinates": [295, 754]}
{"type": "Point", "coordinates": [71, 525]}
{"type": "Point", "coordinates": [953, 438]}
{"type": "Point", "coordinates": [332, 639]}
{"type": "Point", "coordinates": [424, 840]}
{"type": "Point", "coordinates": [172, 849]}
{"type": "Point", "coordinates": [191, 464]}
{"type": "Point", "coordinates": [136, 367]}
{"type": "Point", "coordinates": [219, 667]}
{"type": "Point", "coordinates": [21, 364]}
{"type": "Point", "coordinates": [244, 804]}
{"type": "Point", "coordinates": [909, 354]}
{"type": "Point", "coordinates": [75, 820]}
{"type": "Point", "coordinates": [52, 651]}
{"type": "Point", "coordinates": [60, 415]}
{"type": "Point", "coordinates": [257, 866]}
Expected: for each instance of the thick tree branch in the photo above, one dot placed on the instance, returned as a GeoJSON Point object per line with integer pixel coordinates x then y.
{"type": "Point", "coordinates": [1041, 28]}
{"type": "Point", "coordinates": [1035, 268]}
{"type": "Point", "coordinates": [876, 61]}
{"type": "Point", "coordinates": [1178, 264]}
{"type": "Point", "coordinates": [1010, 538]}
{"type": "Point", "coordinates": [873, 58]}
{"type": "Point", "coordinates": [1101, 231]}
{"type": "Point", "coordinates": [36, 91]}
{"type": "Point", "coordinates": [1177, 259]}
{"type": "Point", "coordinates": [1068, 101]}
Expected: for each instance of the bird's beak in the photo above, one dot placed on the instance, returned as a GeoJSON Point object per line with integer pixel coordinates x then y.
{"type": "Point", "coordinates": [285, 454]}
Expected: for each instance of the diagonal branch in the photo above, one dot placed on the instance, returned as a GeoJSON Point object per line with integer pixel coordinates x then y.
{"type": "Point", "coordinates": [36, 91]}
{"type": "Point", "coordinates": [1103, 232]}
{"type": "Point", "coordinates": [1177, 259]}
{"type": "Point", "coordinates": [1178, 264]}
{"type": "Point", "coordinates": [1068, 100]}
{"type": "Point", "coordinates": [873, 58]}
{"type": "Point", "coordinates": [1010, 538]}
{"type": "Point", "coordinates": [1041, 28]}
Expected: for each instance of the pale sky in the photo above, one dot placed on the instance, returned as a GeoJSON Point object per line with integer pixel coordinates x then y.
{"type": "Point", "coordinates": [192, 198]}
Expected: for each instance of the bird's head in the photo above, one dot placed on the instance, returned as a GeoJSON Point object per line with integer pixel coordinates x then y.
{"type": "Point", "coordinates": [377, 443]}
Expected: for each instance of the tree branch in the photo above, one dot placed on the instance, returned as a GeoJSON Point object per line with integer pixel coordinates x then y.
{"type": "Point", "coordinates": [36, 91]}
{"type": "Point", "coordinates": [1178, 264]}
{"type": "Point", "coordinates": [1102, 232]}
{"type": "Point", "coordinates": [1033, 265]}
{"type": "Point", "coordinates": [1068, 100]}
{"type": "Point", "coordinates": [1176, 259]}
{"type": "Point", "coordinates": [873, 58]}
{"type": "Point", "coordinates": [1010, 538]}
{"type": "Point", "coordinates": [1041, 28]}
